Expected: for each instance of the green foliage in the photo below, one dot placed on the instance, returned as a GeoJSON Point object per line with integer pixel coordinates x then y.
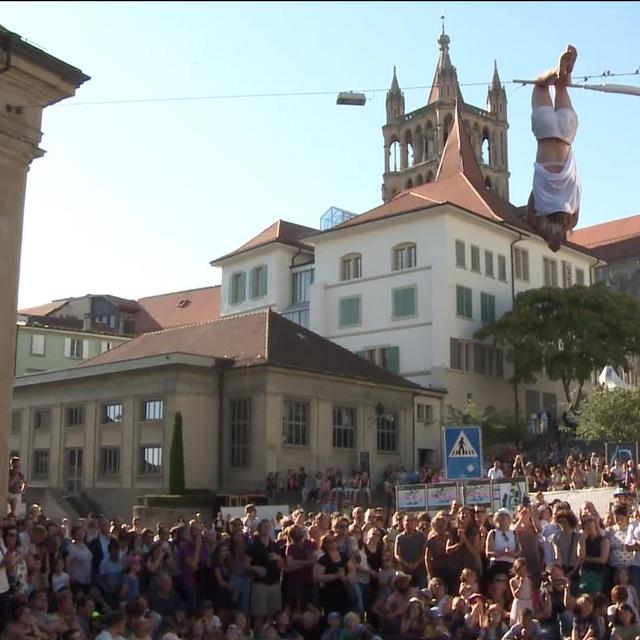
{"type": "Point", "coordinates": [569, 332]}
{"type": "Point", "coordinates": [613, 416]}
{"type": "Point", "coordinates": [497, 427]}
{"type": "Point", "coordinates": [176, 457]}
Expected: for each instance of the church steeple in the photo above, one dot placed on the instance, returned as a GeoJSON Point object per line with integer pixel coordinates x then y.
{"type": "Point", "coordinates": [395, 100]}
{"type": "Point", "coordinates": [445, 86]}
{"type": "Point", "coordinates": [497, 96]}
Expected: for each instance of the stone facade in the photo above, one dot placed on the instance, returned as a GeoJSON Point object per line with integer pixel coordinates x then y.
{"type": "Point", "coordinates": [30, 80]}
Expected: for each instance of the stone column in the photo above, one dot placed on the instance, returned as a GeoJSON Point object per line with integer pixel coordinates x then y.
{"type": "Point", "coordinates": [30, 80]}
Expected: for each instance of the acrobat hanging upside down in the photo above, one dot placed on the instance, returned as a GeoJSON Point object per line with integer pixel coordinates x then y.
{"type": "Point", "coordinates": [554, 203]}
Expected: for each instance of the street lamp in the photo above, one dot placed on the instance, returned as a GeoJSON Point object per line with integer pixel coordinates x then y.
{"type": "Point", "coordinates": [352, 98]}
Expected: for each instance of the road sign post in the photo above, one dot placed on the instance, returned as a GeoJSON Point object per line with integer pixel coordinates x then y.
{"type": "Point", "coordinates": [462, 452]}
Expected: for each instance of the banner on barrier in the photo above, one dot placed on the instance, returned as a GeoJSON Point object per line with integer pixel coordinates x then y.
{"type": "Point", "coordinates": [441, 495]}
{"type": "Point", "coordinates": [477, 494]}
{"type": "Point", "coordinates": [508, 494]}
{"type": "Point", "coordinates": [601, 498]}
{"type": "Point", "coordinates": [411, 497]}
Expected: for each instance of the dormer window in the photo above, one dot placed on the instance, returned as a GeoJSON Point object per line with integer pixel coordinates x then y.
{"type": "Point", "coordinates": [183, 303]}
{"type": "Point", "coordinates": [351, 267]}
{"type": "Point", "coordinates": [404, 256]}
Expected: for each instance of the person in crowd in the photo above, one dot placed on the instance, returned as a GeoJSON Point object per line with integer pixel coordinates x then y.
{"type": "Point", "coordinates": [409, 552]}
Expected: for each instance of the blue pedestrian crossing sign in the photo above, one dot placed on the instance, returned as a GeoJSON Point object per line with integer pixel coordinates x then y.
{"type": "Point", "coordinates": [462, 452]}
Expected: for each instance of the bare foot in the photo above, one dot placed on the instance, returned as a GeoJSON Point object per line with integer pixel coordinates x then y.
{"type": "Point", "coordinates": [547, 78]}
{"type": "Point", "coordinates": [566, 64]}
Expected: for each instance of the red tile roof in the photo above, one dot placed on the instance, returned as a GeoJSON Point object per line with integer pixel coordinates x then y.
{"type": "Point", "coordinates": [281, 231]}
{"type": "Point", "coordinates": [607, 232]}
{"type": "Point", "coordinates": [253, 339]}
{"type": "Point", "coordinates": [43, 309]}
{"type": "Point", "coordinates": [178, 308]}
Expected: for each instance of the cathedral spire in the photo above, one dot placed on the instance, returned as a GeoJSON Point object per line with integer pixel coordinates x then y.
{"type": "Point", "coordinates": [395, 99]}
{"type": "Point", "coordinates": [445, 79]}
{"type": "Point", "coordinates": [496, 85]}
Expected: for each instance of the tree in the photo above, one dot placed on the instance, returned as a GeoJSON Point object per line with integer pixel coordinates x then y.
{"type": "Point", "coordinates": [176, 458]}
{"type": "Point", "coordinates": [497, 427]}
{"type": "Point", "coordinates": [610, 415]}
{"type": "Point", "coordinates": [568, 333]}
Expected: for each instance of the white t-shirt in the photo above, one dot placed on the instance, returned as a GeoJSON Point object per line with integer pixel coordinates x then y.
{"type": "Point", "coordinates": [495, 474]}
{"type": "Point", "coordinates": [633, 536]}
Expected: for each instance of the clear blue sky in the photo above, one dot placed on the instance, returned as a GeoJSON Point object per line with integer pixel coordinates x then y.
{"type": "Point", "coordinates": [136, 199]}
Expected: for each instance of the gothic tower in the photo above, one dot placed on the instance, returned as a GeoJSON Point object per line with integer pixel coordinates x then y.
{"type": "Point", "coordinates": [414, 141]}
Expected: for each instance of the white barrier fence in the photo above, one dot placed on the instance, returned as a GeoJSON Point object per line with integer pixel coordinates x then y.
{"type": "Point", "coordinates": [601, 498]}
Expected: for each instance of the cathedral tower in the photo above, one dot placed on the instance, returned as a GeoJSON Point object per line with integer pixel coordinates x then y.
{"type": "Point", "coordinates": [414, 141]}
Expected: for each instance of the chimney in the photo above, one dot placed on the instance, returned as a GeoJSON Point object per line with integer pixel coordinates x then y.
{"type": "Point", "coordinates": [86, 322]}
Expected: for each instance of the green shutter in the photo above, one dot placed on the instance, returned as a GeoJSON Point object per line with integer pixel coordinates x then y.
{"type": "Point", "coordinates": [393, 360]}
{"type": "Point", "coordinates": [459, 300]}
{"type": "Point", "coordinates": [404, 302]}
{"type": "Point", "coordinates": [492, 308]}
{"type": "Point", "coordinates": [468, 305]}
{"type": "Point", "coordinates": [484, 313]}
{"type": "Point", "coordinates": [262, 281]}
{"type": "Point", "coordinates": [242, 293]}
{"type": "Point", "coordinates": [349, 311]}
{"type": "Point", "coordinates": [455, 354]}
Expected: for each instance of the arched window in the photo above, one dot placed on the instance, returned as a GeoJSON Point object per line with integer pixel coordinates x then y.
{"type": "Point", "coordinates": [404, 256]}
{"type": "Point", "coordinates": [448, 123]}
{"type": "Point", "coordinates": [486, 146]}
{"type": "Point", "coordinates": [419, 180]}
{"type": "Point", "coordinates": [418, 145]}
{"type": "Point", "coordinates": [408, 141]}
{"type": "Point", "coordinates": [429, 141]}
{"type": "Point", "coordinates": [430, 176]}
{"type": "Point", "coordinates": [394, 153]}
{"type": "Point", "coordinates": [351, 266]}
{"type": "Point", "coordinates": [409, 184]}
{"type": "Point", "coordinates": [487, 182]}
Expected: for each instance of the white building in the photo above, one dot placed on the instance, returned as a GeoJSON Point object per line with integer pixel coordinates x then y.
{"type": "Point", "coordinates": [408, 283]}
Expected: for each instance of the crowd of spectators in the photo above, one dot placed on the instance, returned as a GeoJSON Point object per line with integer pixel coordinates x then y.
{"type": "Point", "coordinates": [545, 571]}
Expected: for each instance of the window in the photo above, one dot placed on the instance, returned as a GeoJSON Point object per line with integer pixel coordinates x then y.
{"type": "Point", "coordinates": [386, 357]}
{"type": "Point", "coordinates": [550, 268]}
{"type": "Point", "coordinates": [300, 316]}
{"type": "Point", "coordinates": [349, 311]}
{"type": "Point", "coordinates": [475, 258]}
{"type": "Point", "coordinates": [460, 355]}
{"type": "Point", "coordinates": [150, 460]}
{"type": "Point", "coordinates": [37, 344]}
{"type": "Point", "coordinates": [111, 412]}
{"type": "Point", "coordinates": [387, 431]}
{"type": "Point", "coordinates": [424, 412]}
{"type": "Point", "coordinates": [567, 274]}
{"type": "Point", "coordinates": [301, 284]}
{"type": "Point", "coordinates": [74, 348]}
{"type": "Point", "coordinates": [351, 267]}
{"type": "Point", "coordinates": [106, 345]}
{"type": "Point", "coordinates": [40, 463]}
{"type": "Point", "coordinates": [404, 302]}
{"type": "Point", "coordinates": [487, 307]}
{"type": "Point", "coordinates": [240, 413]}
{"type": "Point", "coordinates": [488, 263]}
{"type": "Point", "coordinates": [16, 422]}
{"type": "Point", "coordinates": [579, 277]}
{"type": "Point", "coordinates": [464, 305]}
{"type": "Point", "coordinates": [487, 360]}
{"type": "Point", "coordinates": [404, 257]}
{"type": "Point", "coordinates": [258, 281]}
{"type": "Point", "coordinates": [521, 264]}
{"type": "Point", "coordinates": [477, 357]}
{"type": "Point", "coordinates": [344, 428]}
{"type": "Point", "coordinates": [295, 423]}
{"type": "Point", "coordinates": [502, 268]}
{"type": "Point", "coordinates": [152, 410]}
{"type": "Point", "coordinates": [109, 461]}
{"type": "Point", "coordinates": [600, 274]}
{"type": "Point", "coordinates": [237, 288]}
{"type": "Point", "coordinates": [461, 260]}
{"type": "Point", "coordinates": [42, 419]}
{"type": "Point", "coordinates": [74, 416]}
